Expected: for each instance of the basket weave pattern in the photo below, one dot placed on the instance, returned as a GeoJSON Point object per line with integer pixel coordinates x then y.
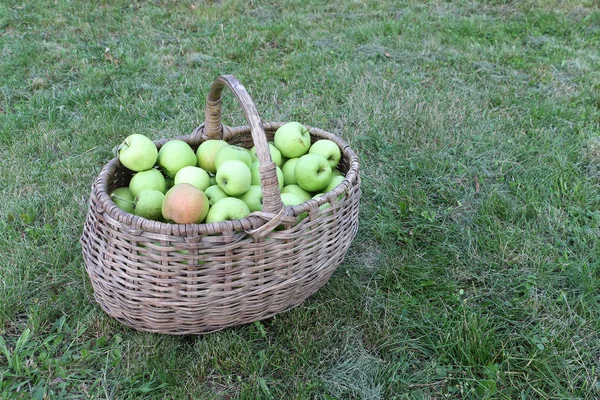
{"type": "Point", "coordinates": [198, 278]}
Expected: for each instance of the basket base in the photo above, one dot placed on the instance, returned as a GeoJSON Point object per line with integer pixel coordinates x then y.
{"type": "Point", "coordinates": [176, 323]}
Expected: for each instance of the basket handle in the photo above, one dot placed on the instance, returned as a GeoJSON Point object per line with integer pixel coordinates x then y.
{"type": "Point", "coordinates": [213, 128]}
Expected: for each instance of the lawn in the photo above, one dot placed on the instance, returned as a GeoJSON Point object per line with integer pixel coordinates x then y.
{"type": "Point", "coordinates": [475, 272]}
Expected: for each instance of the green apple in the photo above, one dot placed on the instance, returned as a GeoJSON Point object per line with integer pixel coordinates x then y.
{"type": "Point", "coordinates": [170, 182]}
{"type": "Point", "coordinates": [137, 152]}
{"type": "Point", "coordinates": [291, 199]}
{"type": "Point", "coordinates": [327, 149]}
{"type": "Point", "coordinates": [174, 155]}
{"type": "Point", "coordinates": [297, 190]}
{"type": "Point", "coordinates": [253, 198]}
{"type": "Point", "coordinates": [185, 204]}
{"type": "Point", "coordinates": [312, 172]}
{"type": "Point", "coordinates": [292, 140]}
{"type": "Point", "coordinates": [336, 180]}
{"type": "Point", "coordinates": [213, 179]}
{"type": "Point", "coordinates": [255, 174]}
{"type": "Point", "coordinates": [234, 177]}
{"type": "Point", "coordinates": [289, 177]}
{"type": "Point", "coordinates": [231, 152]}
{"type": "Point", "coordinates": [207, 152]}
{"type": "Point", "coordinates": [226, 209]}
{"type": "Point", "coordinates": [193, 175]}
{"type": "Point", "coordinates": [336, 172]}
{"type": "Point", "coordinates": [275, 154]}
{"type": "Point", "coordinates": [149, 179]}
{"type": "Point", "coordinates": [280, 180]}
{"type": "Point", "coordinates": [123, 199]}
{"type": "Point", "coordinates": [148, 204]}
{"type": "Point", "coordinates": [214, 194]}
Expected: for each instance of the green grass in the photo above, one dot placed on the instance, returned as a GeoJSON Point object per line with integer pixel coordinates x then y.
{"type": "Point", "coordinates": [475, 272]}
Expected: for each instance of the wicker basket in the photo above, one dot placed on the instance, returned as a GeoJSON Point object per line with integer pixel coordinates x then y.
{"type": "Point", "coordinates": [198, 278]}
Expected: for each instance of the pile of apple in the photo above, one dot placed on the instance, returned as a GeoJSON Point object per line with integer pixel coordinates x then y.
{"type": "Point", "coordinates": [220, 181]}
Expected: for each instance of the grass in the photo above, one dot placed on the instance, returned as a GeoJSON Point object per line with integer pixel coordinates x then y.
{"type": "Point", "coordinates": [475, 272]}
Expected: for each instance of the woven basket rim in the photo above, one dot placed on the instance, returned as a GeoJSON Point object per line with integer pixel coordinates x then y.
{"type": "Point", "coordinates": [251, 222]}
